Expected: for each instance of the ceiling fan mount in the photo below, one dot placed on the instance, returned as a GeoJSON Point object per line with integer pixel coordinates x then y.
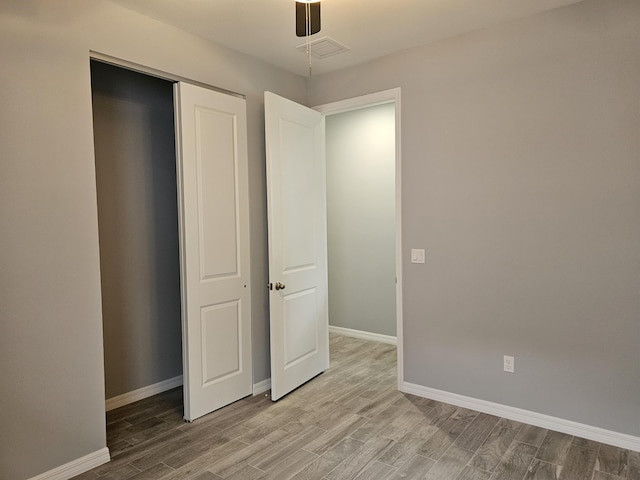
{"type": "Point", "coordinates": [307, 18]}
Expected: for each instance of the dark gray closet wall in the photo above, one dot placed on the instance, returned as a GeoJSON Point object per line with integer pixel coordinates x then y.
{"type": "Point", "coordinates": [138, 225]}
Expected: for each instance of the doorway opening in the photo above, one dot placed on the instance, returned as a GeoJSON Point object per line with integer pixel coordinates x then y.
{"type": "Point", "coordinates": [135, 154]}
{"type": "Point", "coordinates": [360, 159]}
{"type": "Point", "coordinates": [364, 218]}
{"type": "Point", "coordinates": [298, 241]}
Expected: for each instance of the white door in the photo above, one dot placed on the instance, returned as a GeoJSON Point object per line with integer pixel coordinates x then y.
{"type": "Point", "coordinates": [296, 200]}
{"type": "Point", "coordinates": [211, 137]}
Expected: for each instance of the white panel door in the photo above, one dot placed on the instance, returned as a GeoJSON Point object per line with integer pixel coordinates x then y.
{"type": "Point", "coordinates": [296, 195]}
{"type": "Point", "coordinates": [214, 248]}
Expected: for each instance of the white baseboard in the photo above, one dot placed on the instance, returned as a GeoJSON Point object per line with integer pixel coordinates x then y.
{"type": "Point", "coordinates": [141, 393]}
{"type": "Point", "coordinates": [261, 387]}
{"type": "Point", "coordinates": [569, 427]}
{"type": "Point", "coordinates": [376, 337]}
{"type": "Point", "coordinates": [76, 467]}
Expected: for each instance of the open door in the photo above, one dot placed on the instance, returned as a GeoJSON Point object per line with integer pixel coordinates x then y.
{"type": "Point", "coordinates": [296, 201]}
{"type": "Point", "coordinates": [213, 214]}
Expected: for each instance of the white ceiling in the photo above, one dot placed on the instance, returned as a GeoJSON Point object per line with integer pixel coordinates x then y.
{"type": "Point", "coordinates": [369, 28]}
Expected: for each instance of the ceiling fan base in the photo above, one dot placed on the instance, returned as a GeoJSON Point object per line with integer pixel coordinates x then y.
{"type": "Point", "coordinates": [301, 18]}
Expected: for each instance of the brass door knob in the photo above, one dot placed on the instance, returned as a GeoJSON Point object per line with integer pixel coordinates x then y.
{"type": "Point", "coordinates": [280, 286]}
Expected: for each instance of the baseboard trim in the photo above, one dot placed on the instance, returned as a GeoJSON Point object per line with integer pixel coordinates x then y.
{"type": "Point", "coordinates": [376, 337]}
{"type": "Point", "coordinates": [569, 427]}
{"type": "Point", "coordinates": [76, 467]}
{"type": "Point", "coordinates": [142, 393]}
{"type": "Point", "coordinates": [261, 387]}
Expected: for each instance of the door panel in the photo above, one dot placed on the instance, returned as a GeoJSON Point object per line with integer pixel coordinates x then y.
{"type": "Point", "coordinates": [221, 342]}
{"type": "Point", "coordinates": [217, 189]}
{"type": "Point", "coordinates": [214, 248]}
{"type": "Point", "coordinates": [297, 243]}
{"type": "Point", "coordinates": [300, 332]}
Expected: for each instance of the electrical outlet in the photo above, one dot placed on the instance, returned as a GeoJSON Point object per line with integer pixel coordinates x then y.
{"type": "Point", "coordinates": [417, 255]}
{"type": "Point", "coordinates": [508, 364]}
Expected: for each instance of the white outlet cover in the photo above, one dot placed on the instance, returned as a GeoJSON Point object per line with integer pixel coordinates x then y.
{"type": "Point", "coordinates": [509, 364]}
{"type": "Point", "coordinates": [417, 255]}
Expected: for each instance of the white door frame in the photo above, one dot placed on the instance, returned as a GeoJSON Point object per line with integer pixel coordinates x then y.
{"type": "Point", "coordinates": [371, 100]}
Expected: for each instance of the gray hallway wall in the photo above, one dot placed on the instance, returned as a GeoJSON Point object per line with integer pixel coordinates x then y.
{"type": "Point", "coordinates": [360, 153]}
{"type": "Point", "coordinates": [133, 125]}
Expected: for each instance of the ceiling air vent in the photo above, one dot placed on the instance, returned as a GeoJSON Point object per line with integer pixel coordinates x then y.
{"type": "Point", "coordinates": [324, 47]}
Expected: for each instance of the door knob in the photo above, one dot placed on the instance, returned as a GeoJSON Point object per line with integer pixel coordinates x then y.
{"type": "Point", "coordinates": [280, 286]}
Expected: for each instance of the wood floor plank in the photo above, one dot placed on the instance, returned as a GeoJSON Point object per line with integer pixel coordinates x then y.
{"type": "Point", "coordinates": [356, 463]}
{"type": "Point", "coordinates": [329, 439]}
{"type": "Point", "coordinates": [465, 414]}
{"type": "Point", "coordinates": [337, 414]}
{"type": "Point", "coordinates": [406, 447]}
{"type": "Point", "coordinates": [119, 447]}
{"type": "Point", "coordinates": [531, 435]}
{"type": "Point", "coordinates": [606, 476]}
{"type": "Point", "coordinates": [541, 470]}
{"type": "Point", "coordinates": [141, 450]}
{"type": "Point", "coordinates": [441, 412]}
{"type": "Point", "coordinates": [442, 440]}
{"type": "Point", "coordinates": [379, 403]}
{"type": "Point", "coordinates": [470, 473]}
{"type": "Point", "coordinates": [477, 432]}
{"type": "Point", "coordinates": [207, 476]}
{"type": "Point", "coordinates": [234, 462]}
{"type": "Point", "coordinates": [122, 472]}
{"type": "Point", "coordinates": [579, 464]}
{"type": "Point", "coordinates": [275, 423]}
{"type": "Point", "coordinates": [554, 448]}
{"type": "Point", "coordinates": [584, 443]}
{"type": "Point", "coordinates": [415, 468]}
{"type": "Point", "coordinates": [324, 464]}
{"type": "Point", "coordinates": [515, 462]}
{"type": "Point", "coordinates": [377, 424]}
{"type": "Point", "coordinates": [290, 466]}
{"type": "Point", "coordinates": [247, 472]}
{"type": "Point", "coordinates": [613, 460]}
{"type": "Point", "coordinates": [153, 473]}
{"type": "Point", "coordinates": [90, 475]}
{"type": "Point", "coordinates": [402, 424]}
{"type": "Point", "coordinates": [275, 453]}
{"type": "Point", "coordinates": [451, 465]}
{"type": "Point", "coordinates": [512, 424]}
{"type": "Point", "coordinates": [376, 471]}
{"type": "Point", "coordinates": [488, 456]}
{"type": "Point", "coordinates": [205, 460]}
{"type": "Point", "coordinates": [169, 450]}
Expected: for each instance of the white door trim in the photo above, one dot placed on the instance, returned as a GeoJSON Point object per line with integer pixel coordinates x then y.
{"type": "Point", "coordinates": [370, 100]}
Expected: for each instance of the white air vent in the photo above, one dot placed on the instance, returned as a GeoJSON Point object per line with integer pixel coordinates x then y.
{"type": "Point", "coordinates": [324, 47]}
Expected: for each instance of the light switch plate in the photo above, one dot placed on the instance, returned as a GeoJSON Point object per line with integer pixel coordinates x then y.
{"type": "Point", "coordinates": [417, 255]}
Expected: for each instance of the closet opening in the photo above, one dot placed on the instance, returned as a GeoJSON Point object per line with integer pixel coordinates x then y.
{"type": "Point", "coordinates": [135, 154]}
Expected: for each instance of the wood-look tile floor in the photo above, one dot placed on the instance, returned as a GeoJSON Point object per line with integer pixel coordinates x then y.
{"type": "Point", "coordinates": [348, 423]}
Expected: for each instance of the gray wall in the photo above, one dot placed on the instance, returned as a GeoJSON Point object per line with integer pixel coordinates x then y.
{"type": "Point", "coordinates": [521, 178]}
{"type": "Point", "coordinates": [51, 356]}
{"type": "Point", "coordinates": [360, 152]}
{"type": "Point", "coordinates": [138, 228]}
